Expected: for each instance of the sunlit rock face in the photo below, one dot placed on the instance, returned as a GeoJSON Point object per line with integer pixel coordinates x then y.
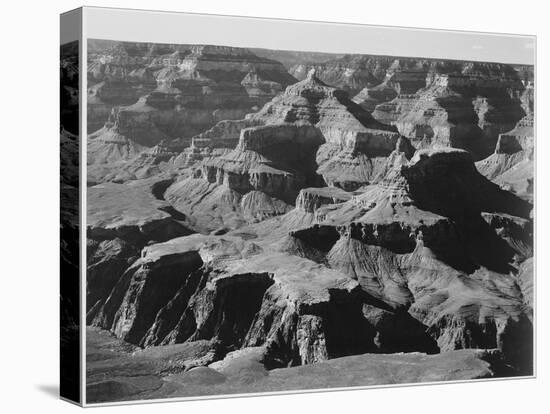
{"type": "Point", "coordinates": [372, 215]}
{"type": "Point", "coordinates": [310, 135]}
{"type": "Point", "coordinates": [143, 95]}
{"type": "Point", "coordinates": [463, 105]}
{"type": "Point", "coordinates": [402, 254]}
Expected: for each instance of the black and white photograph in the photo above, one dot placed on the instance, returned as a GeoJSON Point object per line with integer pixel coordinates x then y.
{"type": "Point", "coordinates": [266, 220]}
{"type": "Point", "coordinates": [275, 207]}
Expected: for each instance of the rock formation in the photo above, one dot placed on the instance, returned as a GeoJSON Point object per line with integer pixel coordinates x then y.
{"type": "Point", "coordinates": [381, 257]}
{"type": "Point", "coordinates": [350, 72]}
{"type": "Point", "coordinates": [311, 134]}
{"type": "Point", "coordinates": [512, 164]}
{"type": "Point", "coordinates": [213, 76]}
{"type": "Point", "coordinates": [318, 232]}
{"type": "Point", "coordinates": [463, 105]}
{"type": "Point", "coordinates": [144, 98]}
{"type": "Point", "coordinates": [120, 377]}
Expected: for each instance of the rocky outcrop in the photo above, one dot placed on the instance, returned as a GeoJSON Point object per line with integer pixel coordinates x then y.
{"type": "Point", "coordinates": [149, 97]}
{"type": "Point", "coordinates": [107, 261]}
{"type": "Point", "coordinates": [350, 170]}
{"type": "Point", "coordinates": [117, 231]}
{"type": "Point", "coordinates": [294, 307]}
{"type": "Point", "coordinates": [131, 210]}
{"type": "Point", "coordinates": [464, 105]}
{"type": "Point", "coordinates": [210, 75]}
{"type": "Point", "coordinates": [159, 161]}
{"type": "Point", "coordinates": [142, 291]}
{"type": "Point", "coordinates": [419, 222]}
{"type": "Point", "coordinates": [117, 75]}
{"type": "Point", "coordinates": [512, 164]}
{"type": "Point", "coordinates": [310, 134]}
{"type": "Point", "coordinates": [323, 231]}
{"type": "Point", "coordinates": [369, 98]}
{"type": "Point", "coordinates": [311, 199]}
{"type": "Point", "coordinates": [118, 372]}
{"type": "Point", "coordinates": [396, 93]}
{"type": "Point", "coordinates": [350, 72]}
{"type": "Point", "coordinates": [525, 282]}
{"type": "Point", "coordinates": [382, 269]}
{"type": "Point", "coordinates": [224, 135]}
{"type": "Point", "coordinates": [276, 159]}
{"type": "Point", "coordinates": [459, 188]}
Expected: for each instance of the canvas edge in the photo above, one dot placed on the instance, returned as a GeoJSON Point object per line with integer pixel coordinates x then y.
{"type": "Point", "coordinates": [70, 30]}
{"type": "Point", "coordinates": [83, 40]}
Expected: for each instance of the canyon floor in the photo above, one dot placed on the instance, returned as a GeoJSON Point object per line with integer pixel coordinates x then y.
{"type": "Point", "coordinates": [160, 372]}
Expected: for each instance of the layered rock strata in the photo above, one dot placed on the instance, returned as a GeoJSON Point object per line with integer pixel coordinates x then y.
{"type": "Point", "coordinates": [310, 135]}
{"type": "Point", "coordinates": [309, 233]}
{"type": "Point", "coordinates": [149, 98]}
{"type": "Point", "coordinates": [168, 371]}
{"type": "Point", "coordinates": [512, 164]}
{"type": "Point", "coordinates": [430, 231]}
{"type": "Point", "coordinates": [466, 106]}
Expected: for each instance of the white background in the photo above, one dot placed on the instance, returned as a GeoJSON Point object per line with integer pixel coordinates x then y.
{"type": "Point", "coordinates": [29, 205]}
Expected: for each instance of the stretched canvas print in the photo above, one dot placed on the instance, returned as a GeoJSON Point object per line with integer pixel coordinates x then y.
{"type": "Point", "coordinates": [260, 206]}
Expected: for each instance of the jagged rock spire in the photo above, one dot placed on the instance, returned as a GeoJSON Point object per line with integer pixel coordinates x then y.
{"type": "Point", "coordinates": [312, 74]}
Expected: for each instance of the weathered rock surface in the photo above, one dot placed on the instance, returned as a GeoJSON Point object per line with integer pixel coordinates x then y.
{"type": "Point", "coordinates": [328, 238]}
{"type": "Point", "coordinates": [350, 72]}
{"type": "Point", "coordinates": [311, 134]}
{"type": "Point", "coordinates": [368, 98]}
{"type": "Point", "coordinates": [159, 160]}
{"type": "Point", "coordinates": [121, 219]}
{"type": "Point", "coordinates": [414, 245]}
{"type": "Point", "coordinates": [130, 210]}
{"type": "Point", "coordinates": [122, 73]}
{"type": "Point", "coordinates": [463, 105]}
{"type": "Point", "coordinates": [144, 374]}
{"type": "Point", "coordinates": [525, 282]}
{"type": "Point", "coordinates": [394, 267]}
{"type": "Point", "coordinates": [512, 164]}
{"type": "Point", "coordinates": [178, 94]}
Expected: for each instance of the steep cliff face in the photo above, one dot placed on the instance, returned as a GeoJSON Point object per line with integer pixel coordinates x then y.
{"type": "Point", "coordinates": [351, 170]}
{"type": "Point", "coordinates": [370, 97]}
{"type": "Point", "coordinates": [164, 372]}
{"type": "Point", "coordinates": [512, 164]}
{"type": "Point", "coordinates": [463, 106]}
{"type": "Point", "coordinates": [417, 241]}
{"type": "Point", "coordinates": [300, 311]}
{"type": "Point", "coordinates": [310, 135]}
{"type": "Point", "coordinates": [117, 75]}
{"type": "Point", "coordinates": [310, 230]}
{"type": "Point", "coordinates": [353, 149]}
{"type": "Point", "coordinates": [159, 161]}
{"type": "Point", "coordinates": [143, 98]}
{"type": "Point", "coordinates": [384, 270]}
{"type": "Point", "coordinates": [212, 75]}
{"type": "Point", "coordinates": [310, 200]}
{"type": "Point", "coordinates": [350, 72]}
{"type": "Point", "coordinates": [244, 183]}
{"type": "Point", "coordinates": [121, 220]}
{"type": "Point", "coordinates": [384, 76]}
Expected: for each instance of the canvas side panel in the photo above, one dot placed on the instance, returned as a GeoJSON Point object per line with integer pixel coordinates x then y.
{"type": "Point", "coordinates": [69, 217]}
